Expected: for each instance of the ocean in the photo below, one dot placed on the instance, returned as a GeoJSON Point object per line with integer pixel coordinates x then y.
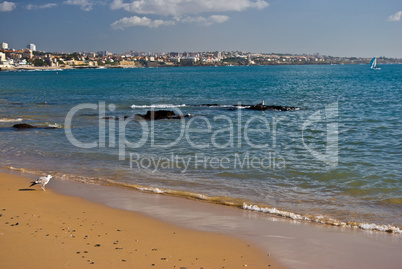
{"type": "Point", "coordinates": [336, 160]}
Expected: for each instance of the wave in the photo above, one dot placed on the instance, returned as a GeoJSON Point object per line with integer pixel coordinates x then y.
{"type": "Point", "coordinates": [10, 120]}
{"type": "Point", "coordinates": [258, 107]}
{"type": "Point", "coordinates": [187, 105]}
{"type": "Point", "coordinates": [221, 200]}
{"type": "Point", "coordinates": [324, 220]}
{"type": "Point", "coordinates": [54, 125]}
{"type": "Point", "coordinates": [158, 106]}
{"type": "Point", "coordinates": [225, 106]}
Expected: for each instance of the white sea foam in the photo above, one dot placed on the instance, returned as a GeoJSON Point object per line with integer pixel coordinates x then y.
{"type": "Point", "coordinates": [323, 220]}
{"type": "Point", "coordinates": [54, 125]}
{"type": "Point", "coordinates": [155, 190]}
{"type": "Point", "coordinates": [185, 105]}
{"type": "Point", "coordinates": [158, 106]}
{"type": "Point", "coordinates": [275, 211]}
{"type": "Point", "coordinates": [229, 106]}
{"type": "Point", "coordinates": [202, 196]}
{"type": "Point", "coordinates": [10, 120]}
{"type": "Point", "coordinates": [381, 228]}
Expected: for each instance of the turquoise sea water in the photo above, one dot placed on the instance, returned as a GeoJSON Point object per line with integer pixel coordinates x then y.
{"type": "Point", "coordinates": [337, 159]}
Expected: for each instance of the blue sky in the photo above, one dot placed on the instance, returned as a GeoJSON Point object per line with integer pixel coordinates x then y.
{"type": "Point", "coordinates": [362, 28]}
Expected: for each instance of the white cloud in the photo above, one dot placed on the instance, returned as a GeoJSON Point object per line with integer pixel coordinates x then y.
{"type": "Point", "coordinates": [50, 5]}
{"type": "Point", "coordinates": [184, 7]}
{"type": "Point", "coordinates": [144, 21]}
{"type": "Point", "coordinates": [180, 11]}
{"type": "Point", "coordinates": [396, 17]}
{"type": "Point", "coordinates": [7, 6]}
{"type": "Point", "coordinates": [206, 21]}
{"type": "Point", "coordinates": [138, 21]}
{"type": "Point", "coordinates": [85, 5]}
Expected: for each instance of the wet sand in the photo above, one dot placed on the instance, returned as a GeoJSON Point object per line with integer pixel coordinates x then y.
{"type": "Point", "coordinates": [295, 244]}
{"type": "Point", "coordinates": [43, 229]}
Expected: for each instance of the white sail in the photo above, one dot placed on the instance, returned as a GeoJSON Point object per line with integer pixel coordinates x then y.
{"type": "Point", "coordinates": [373, 64]}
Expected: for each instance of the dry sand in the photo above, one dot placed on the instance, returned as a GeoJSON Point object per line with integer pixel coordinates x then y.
{"type": "Point", "coordinates": [42, 229]}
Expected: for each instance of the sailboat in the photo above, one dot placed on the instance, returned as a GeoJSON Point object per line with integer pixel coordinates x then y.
{"type": "Point", "coordinates": [373, 64]}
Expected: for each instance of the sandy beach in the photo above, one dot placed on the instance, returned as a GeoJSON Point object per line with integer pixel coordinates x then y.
{"type": "Point", "coordinates": [43, 229]}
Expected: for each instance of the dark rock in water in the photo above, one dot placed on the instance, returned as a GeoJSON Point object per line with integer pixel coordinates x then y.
{"type": "Point", "coordinates": [274, 108]}
{"type": "Point", "coordinates": [160, 115]}
{"type": "Point", "coordinates": [23, 126]}
{"type": "Point", "coordinates": [260, 106]}
{"type": "Point", "coordinates": [209, 105]}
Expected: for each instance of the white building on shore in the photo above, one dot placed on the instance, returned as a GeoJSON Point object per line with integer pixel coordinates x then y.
{"type": "Point", "coordinates": [31, 47]}
{"type": "Point", "coordinates": [3, 61]}
{"type": "Point", "coordinates": [4, 46]}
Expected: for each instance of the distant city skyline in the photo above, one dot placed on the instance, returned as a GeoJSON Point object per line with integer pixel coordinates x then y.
{"type": "Point", "coordinates": [337, 28]}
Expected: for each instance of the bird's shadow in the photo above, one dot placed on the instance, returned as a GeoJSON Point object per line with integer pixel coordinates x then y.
{"type": "Point", "coordinates": [26, 190]}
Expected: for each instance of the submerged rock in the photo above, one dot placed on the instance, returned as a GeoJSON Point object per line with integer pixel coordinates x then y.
{"type": "Point", "coordinates": [260, 106]}
{"type": "Point", "coordinates": [23, 126]}
{"type": "Point", "coordinates": [160, 115]}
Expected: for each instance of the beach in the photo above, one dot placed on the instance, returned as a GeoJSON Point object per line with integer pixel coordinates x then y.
{"type": "Point", "coordinates": [74, 225]}
{"type": "Point", "coordinates": [43, 229]}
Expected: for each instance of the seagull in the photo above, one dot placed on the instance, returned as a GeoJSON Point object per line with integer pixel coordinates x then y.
{"type": "Point", "coordinates": [43, 181]}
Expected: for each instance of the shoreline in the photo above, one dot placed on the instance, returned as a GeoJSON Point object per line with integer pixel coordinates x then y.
{"type": "Point", "coordinates": [293, 244]}
{"type": "Point", "coordinates": [59, 231]}
{"type": "Point", "coordinates": [56, 68]}
{"type": "Point", "coordinates": [236, 203]}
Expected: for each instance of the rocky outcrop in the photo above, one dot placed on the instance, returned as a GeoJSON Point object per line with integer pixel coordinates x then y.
{"type": "Point", "coordinates": [160, 115]}
{"type": "Point", "coordinates": [260, 106]}
{"type": "Point", "coordinates": [25, 126]}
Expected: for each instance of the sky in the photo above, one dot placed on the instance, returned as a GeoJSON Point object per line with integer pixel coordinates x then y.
{"type": "Point", "coordinates": [347, 28]}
